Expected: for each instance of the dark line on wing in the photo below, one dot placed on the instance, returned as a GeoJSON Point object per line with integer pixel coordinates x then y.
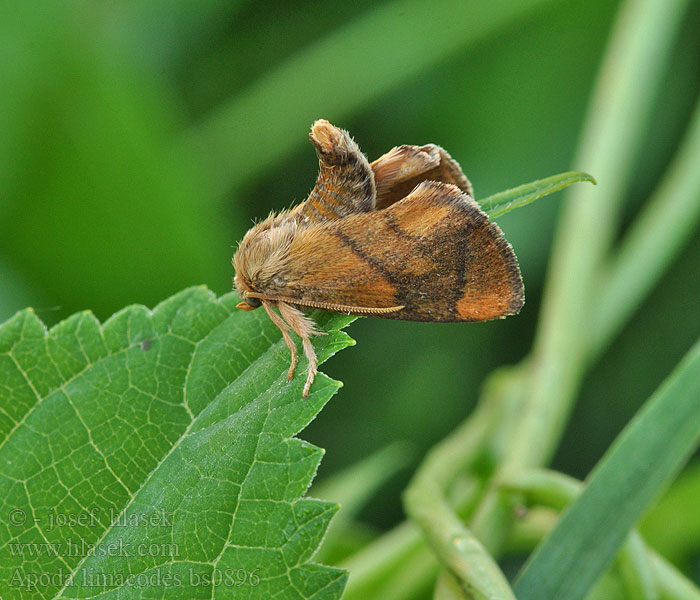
{"type": "Point", "coordinates": [390, 222]}
{"type": "Point", "coordinates": [368, 258]}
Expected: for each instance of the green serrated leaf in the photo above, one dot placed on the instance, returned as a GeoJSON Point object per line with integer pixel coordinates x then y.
{"type": "Point", "coordinates": [153, 456]}
{"type": "Point", "coordinates": [503, 202]}
{"type": "Point", "coordinates": [647, 454]}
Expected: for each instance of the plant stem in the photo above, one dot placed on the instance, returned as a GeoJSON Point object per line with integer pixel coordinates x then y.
{"type": "Point", "coordinates": [656, 236]}
{"type": "Point", "coordinates": [645, 575]}
{"type": "Point", "coordinates": [374, 565]}
{"type": "Point", "coordinates": [621, 105]}
{"type": "Point", "coordinates": [426, 504]}
{"type": "Point", "coordinates": [673, 585]}
{"type": "Point", "coordinates": [447, 587]}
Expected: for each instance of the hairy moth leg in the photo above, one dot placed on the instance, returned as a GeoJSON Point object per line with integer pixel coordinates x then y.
{"type": "Point", "coordinates": [284, 328]}
{"type": "Point", "coordinates": [304, 327]}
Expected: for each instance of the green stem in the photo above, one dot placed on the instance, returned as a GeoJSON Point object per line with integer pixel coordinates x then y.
{"type": "Point", "coordinates": [644, 574]}
{"type": "Point", "coordinates": [664, 226]}
{"type": "Point", "coordinates": [620, 110]}
{"type": "Point", "coordinates": [447, 587]}
{"type": "Point", "coordinates": [374, 565]}
{"type": "Point", "coordinates": [634, 565]}
{"type": "Point", "coordinates": [486, 431]}
{"type": "Point", "coordinates": [621, 105]}
{"type": "Point", "coordinates": [673, 585]}
{"type": "Point", "coordinates": [454, 544]}
{"type": "Point", "coordinates": [426, 504]}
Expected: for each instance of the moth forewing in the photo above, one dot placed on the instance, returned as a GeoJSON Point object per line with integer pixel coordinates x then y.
{"type": "Point", "coordinates": [435, 253]}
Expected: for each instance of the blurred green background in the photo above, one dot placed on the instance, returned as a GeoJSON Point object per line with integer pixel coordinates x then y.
{"type": "Point", "coordinates": [138, 140]}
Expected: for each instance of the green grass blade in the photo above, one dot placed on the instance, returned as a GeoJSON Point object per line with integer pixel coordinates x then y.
{"type": "Point", "coordinates": [503, 202]}
{"type": "Point", "coordinates": [640, 570]}
{"type": "Point", "coordinates": [636, 468]}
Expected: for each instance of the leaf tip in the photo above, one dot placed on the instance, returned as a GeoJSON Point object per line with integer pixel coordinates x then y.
{"type": "Point", "coordinates": [588, 177]}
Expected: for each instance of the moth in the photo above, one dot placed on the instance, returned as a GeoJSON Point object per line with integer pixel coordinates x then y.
{"type": "Point", "coordinates": [398, 238]}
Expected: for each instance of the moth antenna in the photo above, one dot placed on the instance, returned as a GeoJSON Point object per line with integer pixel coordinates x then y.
{"type": "Point", "coordinates": [304, 327]}
{"type": "Point", "coordinates": [339, 308]}
{"type": "Point", "coordinates": [283, 327]}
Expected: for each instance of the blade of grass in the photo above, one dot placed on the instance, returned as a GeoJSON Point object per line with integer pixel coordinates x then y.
{"type": "Point", "coordinates": [503, 202]}
{"type": "Point", "coordinates": [259, 126]}
{"type": "Point", "coordinates": [556, 490]}
{"type": "Point", "coordinates": [670, 582]}
{"type": "Point", "coordinates": [644, 458]}
{"type": "Point", "coordinates": [644, 573]}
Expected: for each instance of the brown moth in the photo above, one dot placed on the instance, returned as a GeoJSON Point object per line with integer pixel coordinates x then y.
{"type": "Point", "coordinates": [399, 238]}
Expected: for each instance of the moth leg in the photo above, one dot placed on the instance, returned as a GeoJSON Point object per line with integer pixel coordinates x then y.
{"type": "Point", "coordinates": [283, 327]}
{"type": "Point", "coordinates": [304, 328]}
{"type": "Point", "coordinates": [400, 170]}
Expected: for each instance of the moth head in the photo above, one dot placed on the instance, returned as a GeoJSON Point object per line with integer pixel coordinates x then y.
{"type": "Point", "coordinates": [249, 303]}
{"type": "Point", "coordinates": [261, 259]}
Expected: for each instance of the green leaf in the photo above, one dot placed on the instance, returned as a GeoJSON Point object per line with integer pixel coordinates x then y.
{"type": "Point", "coordinates": [503, 202]}
{"type": "Point", "coordinates": [647, 454]}
{"type": "Point", "coordinates": [142, 457]}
